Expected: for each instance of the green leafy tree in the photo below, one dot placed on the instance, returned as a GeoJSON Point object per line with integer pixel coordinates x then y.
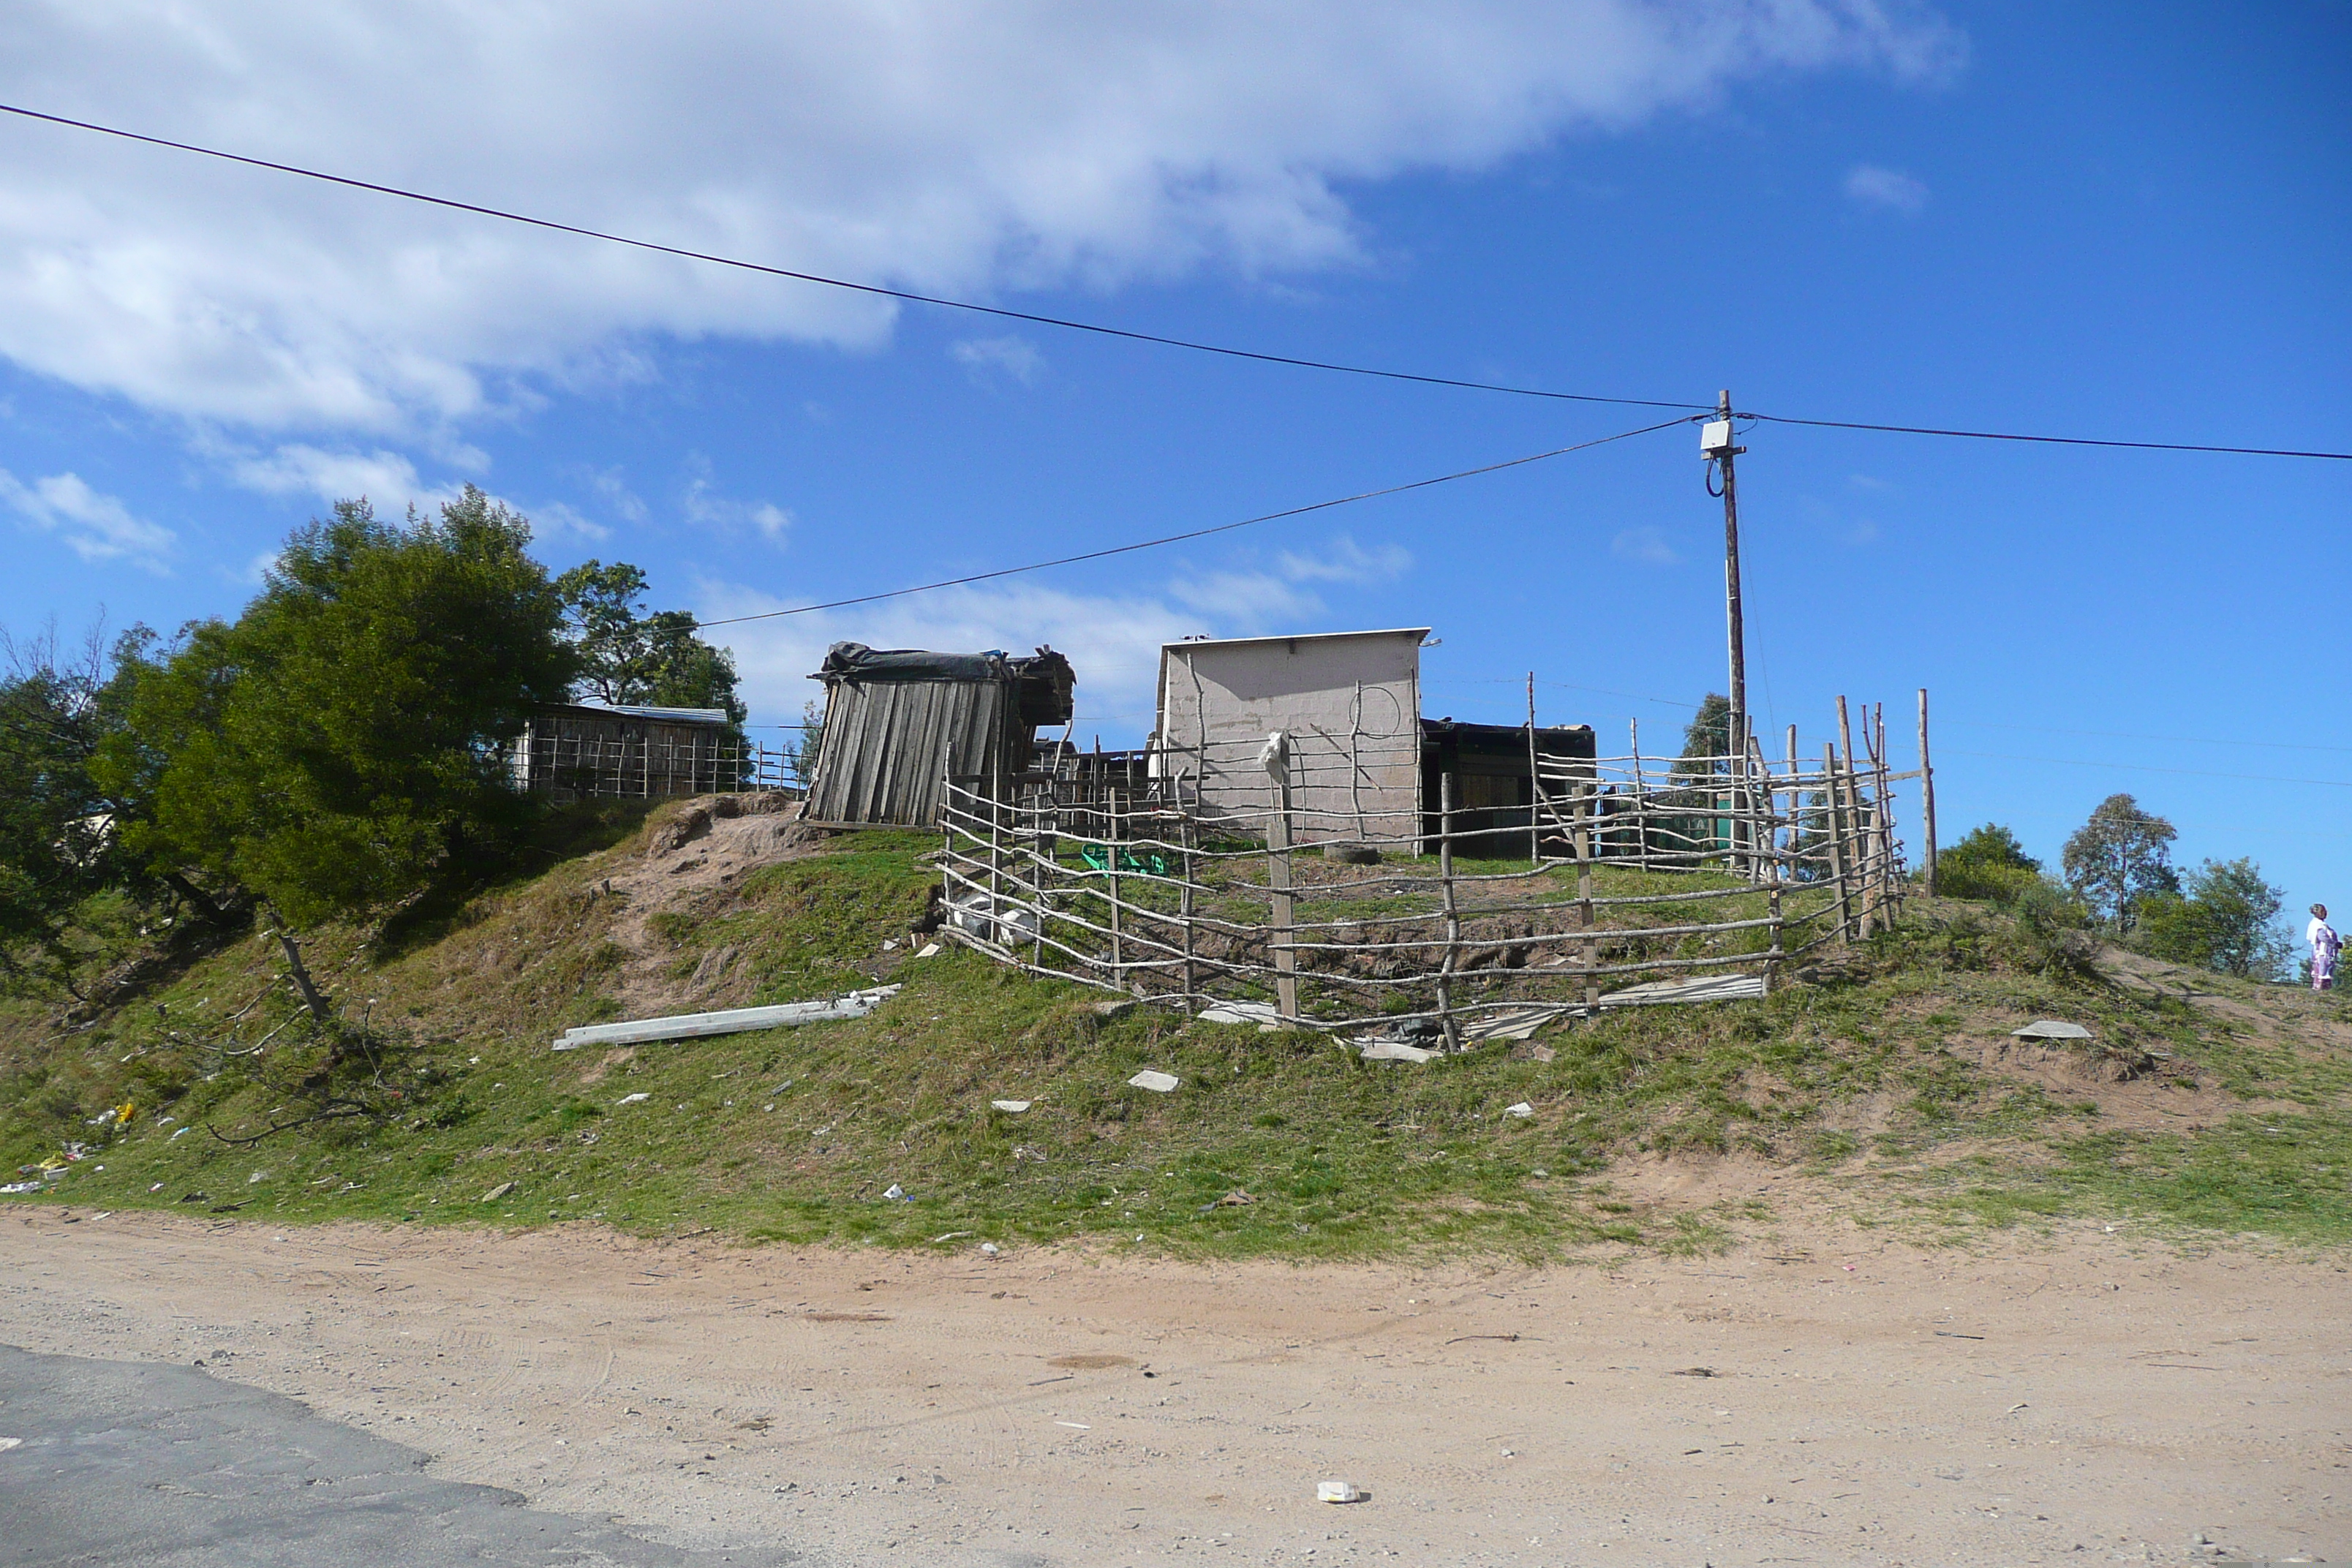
{"type": "Point", "coordinates": [345, 739]}
{"type": "Point", "coordinates": [2225, 918]}
{"type": "Point", "coordinates": [627, 656]}
{"type": "Point", "coordinates": [57, 833]}
{"type": "Point", "coordinates": [809, 741]}
{"type": "Point", "coordinates": [2118, 858]}
{"type": "Point", "coordinates": [1988, 863]}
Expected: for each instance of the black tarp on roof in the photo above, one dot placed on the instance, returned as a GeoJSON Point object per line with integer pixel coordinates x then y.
{"type": "Point", "coordinates": [1047, 683]}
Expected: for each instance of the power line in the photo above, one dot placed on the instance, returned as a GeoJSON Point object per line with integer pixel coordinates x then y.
{"type": "Point", "coordinates": [2050, 440]}
{"type": "Point", "coordinates": [1113, 332]}
{"type": "Point", "coordinates": [1098, 329]}
{"type": "Point", "coordinates": [1196, 532]}
{"type": "Point", "coordinates": [874, 289]}
{"type": "Point", "coordinates": [2145, 768]}
{"type": "Point", "coordinates": [2122, 735]}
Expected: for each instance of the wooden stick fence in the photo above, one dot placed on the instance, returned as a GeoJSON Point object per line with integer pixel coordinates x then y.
{"type": "Point", "coordinates": [1642, 871]}
{"type": "Point", "coordinates": [575, 766]}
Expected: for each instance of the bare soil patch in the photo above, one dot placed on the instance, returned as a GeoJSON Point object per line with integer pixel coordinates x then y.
{"type": "Point", "coordinates": [2090, 1395]}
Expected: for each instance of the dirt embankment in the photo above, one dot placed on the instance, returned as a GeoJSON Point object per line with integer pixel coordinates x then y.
{"type": "Point", "coordinates": [692, 865]}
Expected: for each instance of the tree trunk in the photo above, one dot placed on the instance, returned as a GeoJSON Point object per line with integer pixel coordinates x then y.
{"type": "Point", "coordinates": [298, 971]}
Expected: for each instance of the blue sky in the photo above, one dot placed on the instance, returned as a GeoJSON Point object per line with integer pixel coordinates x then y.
{"type": "Point", "coordinates": [2106, 220]}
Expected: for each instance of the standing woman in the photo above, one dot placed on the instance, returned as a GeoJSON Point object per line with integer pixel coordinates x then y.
{"type": "Point", "coordinates": [2324, 944]}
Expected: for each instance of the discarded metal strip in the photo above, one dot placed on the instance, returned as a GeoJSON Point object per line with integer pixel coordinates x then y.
{"type": "Point", "coordinates": [731, 1021]}
{"type": "Point", "coordinates": [1707, 988]}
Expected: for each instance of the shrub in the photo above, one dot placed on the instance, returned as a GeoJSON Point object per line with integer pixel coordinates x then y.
{"type": "Point", "coordinates": [1989, 863]}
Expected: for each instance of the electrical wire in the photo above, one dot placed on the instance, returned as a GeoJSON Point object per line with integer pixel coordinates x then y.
{"type": "Point", "coordinates": [2122, 735]}
{"type": "Point", "coordinates": [2050, 440]}
{"type": "Point", "coordinates": [1068, 324]}
{"type": "Point", "coordinates": [1196, 532]}
{"type": "Point", "coordinates": [875, 289]}
{"type": "Point", "coordinates": [2143, 768]}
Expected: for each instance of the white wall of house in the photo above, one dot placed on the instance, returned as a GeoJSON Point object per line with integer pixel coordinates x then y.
{"type": "Point", "coordinates": [1350, 702]}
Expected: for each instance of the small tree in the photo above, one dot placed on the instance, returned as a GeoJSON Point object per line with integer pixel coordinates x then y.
{"type": "Point", "coordinates": [630, 658]}
{"type": "Point", "coordinates": [2118, 858]}
{"type": "Point", "coordinates": [345, 739]}
{"type": "Point", "coordinates": [809, 741]}
{"type": "Point", "coordinates": [2225, 919]}
{"type": "Point", "coordinates": [1989, 863]}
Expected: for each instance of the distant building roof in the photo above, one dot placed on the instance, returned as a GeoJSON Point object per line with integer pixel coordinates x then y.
{"type": "Point", "coordinates": [644, 711]}
{"type": "Point", "coordinates": [1420, 634]}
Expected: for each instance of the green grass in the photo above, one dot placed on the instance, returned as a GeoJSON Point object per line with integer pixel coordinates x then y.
{"type": "Point", "coordinates": [797, 1134]}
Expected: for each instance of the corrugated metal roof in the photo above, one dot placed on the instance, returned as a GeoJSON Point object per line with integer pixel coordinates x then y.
{"type": "Point", "coordinates": [666, 715]}
{"type": "Point", "coordinates": [1422, 632]}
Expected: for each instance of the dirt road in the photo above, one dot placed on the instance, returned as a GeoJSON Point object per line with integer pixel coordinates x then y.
{"type": "Point", "coordinates": [1834, 1397]}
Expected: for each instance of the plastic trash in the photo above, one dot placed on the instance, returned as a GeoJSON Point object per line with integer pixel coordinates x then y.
{"type": "Point", "coordinates": [1157, 1082]}
{"type": "Point", "coordinates": [929, 950]}
{"type": "Point", "coordinates": [1521, 1109]}
{"type": "Point", "coordinates": [990, 1249]}
{"type": "Point", "coordinates": [1015, 1107]}
{"type": "Point", "coordinates": [897, 1195]}
{"type": "Point", "coordinates": [179, 1133]}
{"type": "Point", "coordinates": [632, 1099]}
{"type": "Point", "coordinates": [1337, 1491]}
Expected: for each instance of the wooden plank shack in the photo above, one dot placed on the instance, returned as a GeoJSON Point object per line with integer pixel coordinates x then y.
{"type": "Point", "coordinates": [899, 721]}
{"type": "Point", "coordinates": [571, 751]}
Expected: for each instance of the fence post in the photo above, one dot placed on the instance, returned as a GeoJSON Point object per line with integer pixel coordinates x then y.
{"type": "Point", "coordinates": [1589, 951]}
{"type": "Point", "coordinates": [1278, 878]}
{"type": "Point", "coordinates": [1641, 800]}
{"type": "Point", "coordinates": [1833, 798]}
{"type": "Point", "coordinates": [1926, 795]}
{"type": "Point", "coordinates": [1534, 784]}
{"type": "Point", "coordinates": [1114, 816]}
{"type": "Point", "coordinates": [1184, 905]}
{"type": "Point", "coordinates": [1445, 1018]}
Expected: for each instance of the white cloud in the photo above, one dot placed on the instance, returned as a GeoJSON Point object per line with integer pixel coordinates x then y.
{"type": "Point", "coordinates": [1344, 561]}
{"type": "Point", "coordinates": [1015, 357]}
{"type": "Point", "coordinates": [1112, 640]}
{"type": "Point", "coordinates": [704, 505]}
{"type": "Point", "coordinates": [1247, 601]}
{"type": "Point", "coordinates": [94, 526]}
{"type": "Point", "coordinates": [948, 148]}
{"type": "Point", "coordinates": [559, 519]}
{"type": "Point", "coordinates": [1645, 546]}
{"type": "Point", "coordinates": [1889, 188]}
{"type": "Point", "coordinates": [386, 480]}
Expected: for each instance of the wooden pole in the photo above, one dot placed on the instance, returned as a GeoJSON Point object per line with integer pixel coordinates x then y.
{"type": "Point", "coordinates": [1736, 736]}
{"type": "Point", "coordinates": [1641, 800]}
{"type": "Point", "coordinates": [1857, 854]}
{"type": "Point", "coordinates": [1834, 792]}
{"type": "Point", "coordinates": [1445, 1017]}
{"type": "Point", "coordinates": [1184, 905]}
{"type": "Point", "coordinates": [1535, 783]}
{"type": "Point", "coordinates": [1114, 819]}
{"type": "Point", "coordinates": [1277, 868]}
{"type": "Point", "coordinates": [1926, 795]}
{"type": "Point", "coordinates": [1588, 951]}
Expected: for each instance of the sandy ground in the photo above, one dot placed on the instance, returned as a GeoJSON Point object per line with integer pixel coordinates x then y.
{"type": "Point", "coordinates": [2088, 1396]}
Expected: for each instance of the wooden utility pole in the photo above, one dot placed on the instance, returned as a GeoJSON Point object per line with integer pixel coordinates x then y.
{"type": "Point", "coordinates": [1716, 443]}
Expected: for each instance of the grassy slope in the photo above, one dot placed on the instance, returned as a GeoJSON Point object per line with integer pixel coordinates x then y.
{"type": "Point", "coordinates": [796, 1134]}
